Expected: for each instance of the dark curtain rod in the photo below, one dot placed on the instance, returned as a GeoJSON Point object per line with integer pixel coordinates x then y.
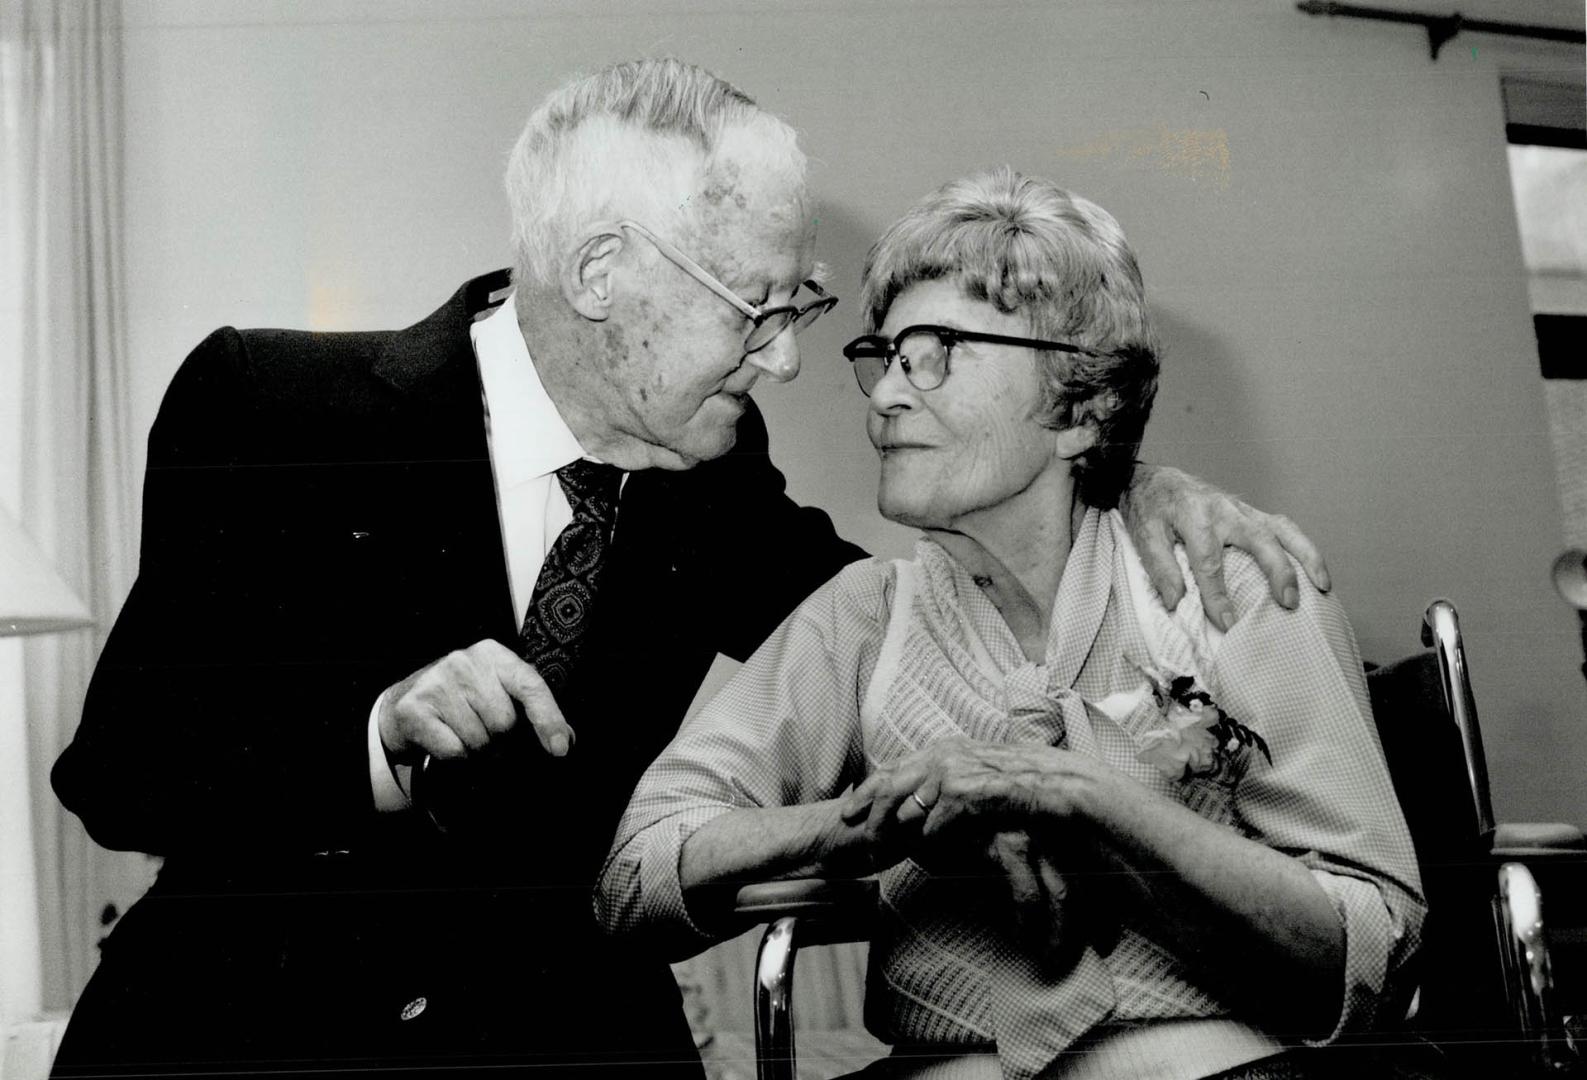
{"type": "Point", "coordinates": [1441, 28]}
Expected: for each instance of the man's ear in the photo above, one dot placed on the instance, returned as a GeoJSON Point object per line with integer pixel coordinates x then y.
{"type": "Point", "coordinates": [588, 272]}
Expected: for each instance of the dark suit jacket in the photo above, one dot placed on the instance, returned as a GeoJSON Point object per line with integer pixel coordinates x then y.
{"type": "Point", "coordinates": [319, 522]}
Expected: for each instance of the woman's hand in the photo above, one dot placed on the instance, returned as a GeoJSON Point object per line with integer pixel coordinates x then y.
{"type": "Point", "coordinates": [963, 806]}
{"type": "Point", "coordinates": [1043, 915]}
{"type": "Point", "coordinates": [961, 785]}
{"type": "Point", "coordinates": [954, 805]}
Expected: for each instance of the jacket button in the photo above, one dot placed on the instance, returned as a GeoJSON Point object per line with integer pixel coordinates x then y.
{"type": "Point", "coordinates": [414, 1008]}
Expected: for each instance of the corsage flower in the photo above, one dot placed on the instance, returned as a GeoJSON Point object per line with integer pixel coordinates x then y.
{"type": "Point", "coordinates": [1196, 737]}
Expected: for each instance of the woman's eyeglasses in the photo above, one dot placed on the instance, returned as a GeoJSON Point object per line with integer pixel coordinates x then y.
{"type": "Point", "coordinates": [923, 352]}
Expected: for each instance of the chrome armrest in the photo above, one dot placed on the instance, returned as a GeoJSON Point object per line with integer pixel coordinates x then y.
{"type": "Point", "coordinates": [809, 911]}
{"type": "Point", "coordinates": [1538, 841]}
{"type": "Point", "coordinates": [840, 909]}
{"type": "Point", "coordinates": [1528, 973]}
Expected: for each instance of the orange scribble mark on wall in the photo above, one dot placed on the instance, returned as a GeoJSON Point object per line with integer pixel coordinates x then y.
{"type": "Point", "coordinates": [1199, 155]}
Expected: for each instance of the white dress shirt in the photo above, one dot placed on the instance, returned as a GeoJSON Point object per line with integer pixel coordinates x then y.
{"type": "Point", "coordinates": [529, 441]}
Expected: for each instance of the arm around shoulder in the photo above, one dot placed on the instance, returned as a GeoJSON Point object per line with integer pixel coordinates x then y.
{"type": "Point", "coordinates": [795, 547]}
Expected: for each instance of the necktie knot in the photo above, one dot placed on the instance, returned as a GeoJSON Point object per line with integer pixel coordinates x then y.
{"type": "Point", "coordinates": [591, 489]}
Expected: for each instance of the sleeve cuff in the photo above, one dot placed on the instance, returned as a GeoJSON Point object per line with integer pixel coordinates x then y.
{"type": "Point", "coordinates": [1371, 941]}
{"type": "Point", "coordinates": [642, 890]}
{"type": "Point", "coordinates": [389, 783]}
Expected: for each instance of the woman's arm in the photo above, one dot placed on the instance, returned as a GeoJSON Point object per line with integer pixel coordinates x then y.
{"type": "Point", "coordinates": [1252, 922]}
{"type": "Point", "coordinates": [1326, 799]}
{"type": "Point", "coordinates": [723, 802]}
{"type": "Point", "coordinates": [766, 844]}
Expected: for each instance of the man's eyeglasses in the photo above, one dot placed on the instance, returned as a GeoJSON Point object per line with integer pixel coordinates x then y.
{"type": "Point", "coordinates": [765, 322]}
{"type": "Point", "coordinates": [923, 351]}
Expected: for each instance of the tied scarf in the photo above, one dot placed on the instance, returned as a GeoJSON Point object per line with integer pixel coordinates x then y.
{"type": "Point", "coordinates": [952, 969]}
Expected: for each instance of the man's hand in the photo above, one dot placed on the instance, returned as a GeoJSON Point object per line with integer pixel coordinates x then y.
{"type": "Point", "coordinates": [458, 704]}
{"type": "Point", "coordinates": [1164, 504]}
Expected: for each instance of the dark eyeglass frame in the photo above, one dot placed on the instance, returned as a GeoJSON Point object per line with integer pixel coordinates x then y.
{"type": "Point", "coordinates": [865, 351]}
{"type": "Point", "coordinates": [765, 322]}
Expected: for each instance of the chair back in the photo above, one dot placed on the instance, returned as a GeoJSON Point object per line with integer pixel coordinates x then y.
{"type": "Point", "coordinates": [1461, 993]}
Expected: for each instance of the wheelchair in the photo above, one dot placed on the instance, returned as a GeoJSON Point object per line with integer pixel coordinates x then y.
{"type": "Point", "coordinates": [1487, 1003]}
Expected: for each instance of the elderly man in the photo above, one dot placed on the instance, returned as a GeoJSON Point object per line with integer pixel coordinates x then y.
{"type": "Point", "coordinates": [508, 540]}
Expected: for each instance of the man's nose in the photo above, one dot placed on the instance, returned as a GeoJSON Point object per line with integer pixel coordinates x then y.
{"type": "Point", "coordinates": [780, 357]}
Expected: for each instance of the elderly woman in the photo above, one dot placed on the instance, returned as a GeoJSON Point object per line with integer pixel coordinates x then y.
{"type": "Point", "coordinates": [1111, 839]}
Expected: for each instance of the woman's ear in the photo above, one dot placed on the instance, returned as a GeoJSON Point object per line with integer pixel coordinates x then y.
{"type": "Point", "coordinates": [1073, 441]}
{"type": "Point", "coordinates": [588, 271]}
{"type": "Point", "coordinates": [1082, 431]}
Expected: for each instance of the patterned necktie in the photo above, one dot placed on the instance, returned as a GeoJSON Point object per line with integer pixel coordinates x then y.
{"type": "Point", "coordinates": [460, 793]}
{"type": "Point", "coordinates": [558, 619]}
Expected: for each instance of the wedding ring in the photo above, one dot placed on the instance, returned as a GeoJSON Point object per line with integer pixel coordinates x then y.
{"type": "Point", "coordinates": [924, 809]}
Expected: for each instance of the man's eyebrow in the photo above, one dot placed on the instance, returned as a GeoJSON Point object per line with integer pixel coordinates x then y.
{"type": "Point", "coordinates": [819, 273]}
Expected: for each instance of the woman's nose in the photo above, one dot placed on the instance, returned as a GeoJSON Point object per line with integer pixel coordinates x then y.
{"type": "Point", "coordinates": [779, 359]}
{"type": "Point", "coordinates": [893, 391]}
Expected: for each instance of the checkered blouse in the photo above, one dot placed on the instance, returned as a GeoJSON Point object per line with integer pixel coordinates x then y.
{"type": "Point", "coordinates": [810, 713]}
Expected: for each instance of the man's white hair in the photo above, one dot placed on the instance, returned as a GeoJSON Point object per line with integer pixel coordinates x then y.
{"type": "Point", "coordinates": [633, 140]}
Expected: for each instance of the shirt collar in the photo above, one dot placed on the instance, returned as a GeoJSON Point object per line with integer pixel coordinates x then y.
{"type": "Point", "coordinates": [529, 439]}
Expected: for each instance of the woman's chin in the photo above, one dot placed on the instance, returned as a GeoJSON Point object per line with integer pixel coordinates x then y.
{"type": "Point", "coordinates": [915, 513]}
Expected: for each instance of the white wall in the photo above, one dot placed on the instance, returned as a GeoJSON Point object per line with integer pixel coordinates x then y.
{"type": "Point", "coordinates": [1322, 213]}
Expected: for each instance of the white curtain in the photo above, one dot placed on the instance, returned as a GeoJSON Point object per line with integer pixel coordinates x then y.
{"type": "Point", "coordinates": [67, 453]}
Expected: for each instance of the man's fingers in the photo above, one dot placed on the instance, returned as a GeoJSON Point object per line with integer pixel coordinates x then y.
{"type": "Point", "coordinates": [1165, 501]}
{"type": "Point", "coordinates": [1281, 581]}
{"type": "Point", "coordinates": [1305, 552]}
{"type": "Point", "coordinates": [1156, 549]}
{"type": "Point", "coordinates": [470, 694]}
{"type": "Point", "coordinates": [449, 702]}
{"type": "Point", "coordinates": [435, 738]}
{"type": "Point", "coordinates": [492, 704]}
{"type": "Point", "coordinates": [540, 707]}
{"type": "Point", "coordinates": [1261, 534]}
{"type": "Point", "coordinates": [1206, 566]}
